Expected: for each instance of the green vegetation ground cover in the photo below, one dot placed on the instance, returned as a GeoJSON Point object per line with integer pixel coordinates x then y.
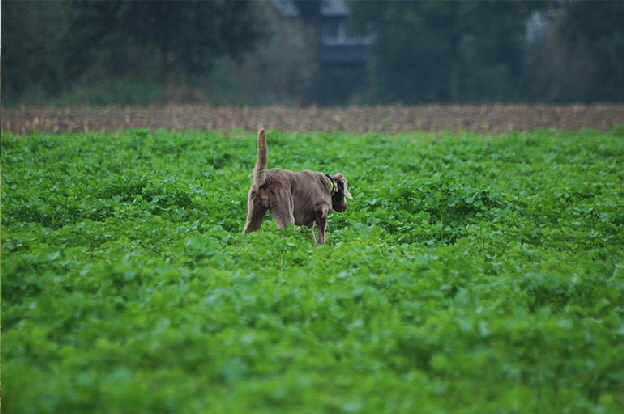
{"type": "Point", "coordinates": [471, 274]}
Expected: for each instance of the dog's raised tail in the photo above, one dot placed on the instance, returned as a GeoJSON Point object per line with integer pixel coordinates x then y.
{"type": "Point", "coordinates": [259, 172]}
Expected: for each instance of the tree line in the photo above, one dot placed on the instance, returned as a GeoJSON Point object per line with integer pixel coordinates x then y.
{"type": "Point", "coordinates": [427, 51]}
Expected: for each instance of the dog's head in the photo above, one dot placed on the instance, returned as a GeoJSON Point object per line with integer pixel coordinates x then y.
{"type": "Point", "coordinates": [339, 202]}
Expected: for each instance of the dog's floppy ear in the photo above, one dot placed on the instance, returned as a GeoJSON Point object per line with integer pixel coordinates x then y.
{"type": "Point", "coordinates": [342, 185]}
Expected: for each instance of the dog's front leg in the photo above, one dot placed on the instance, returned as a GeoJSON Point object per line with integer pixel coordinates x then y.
{"type": "Point", "coordinates": [321, 231]}
{"type": "Point", "coordinates": [321, 224]}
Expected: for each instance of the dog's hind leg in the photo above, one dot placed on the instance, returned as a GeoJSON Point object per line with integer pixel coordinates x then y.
{"type": "Point", "coordinates": [283, 217]}
{"type": "Point", "coordinates": [282, 207]}
{"type": "Point", "coordinates": [255, 215]}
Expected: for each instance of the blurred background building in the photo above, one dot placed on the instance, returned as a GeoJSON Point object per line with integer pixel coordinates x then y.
{"type": "Point", "coordinates": [311, 52]}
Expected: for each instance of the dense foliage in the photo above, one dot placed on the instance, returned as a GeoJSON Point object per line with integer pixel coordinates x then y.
{"type": "Point", "coordinates": [484, 51]}
{"type": "Point", "coordinates": [449, 51]}
{"type": "Point", "coordinates": [428, 51]}
{"type": "Point", "coordinates": [471, 274]}
{"type": "Point", "coordinates": [115, 51]}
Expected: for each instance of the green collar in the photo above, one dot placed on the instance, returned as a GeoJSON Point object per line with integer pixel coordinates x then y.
{"type": "Point", "coordinates": [333, 188]}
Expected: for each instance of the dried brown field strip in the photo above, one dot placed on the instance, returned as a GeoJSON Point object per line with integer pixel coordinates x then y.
{"type": "Point", "coordinates": [480, 118]}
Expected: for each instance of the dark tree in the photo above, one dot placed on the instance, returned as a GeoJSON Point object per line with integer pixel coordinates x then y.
{"type": "Point", "coordinates": [445, 51]}
{"type": "Point", "coordinates": [188, 35]}
{"type": "Point", "coordinates": [598, 27]}
{"type": "Point", "coordinates": [32, 51]}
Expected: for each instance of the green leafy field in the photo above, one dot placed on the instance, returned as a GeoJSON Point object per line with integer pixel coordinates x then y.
{"type": "Point", "coordinates": [471, 274]}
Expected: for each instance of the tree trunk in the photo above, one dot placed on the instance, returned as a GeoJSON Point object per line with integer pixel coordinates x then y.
{"type": "Point", "coordinates": [164, 69]}
{"type": "Point", "coordinates": [454, 72]}
{"type": "Point", "coordinates": [453, 85]}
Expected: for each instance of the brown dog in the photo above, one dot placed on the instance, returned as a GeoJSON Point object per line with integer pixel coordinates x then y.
{"type": "Point", "coordinates": [302, 198]}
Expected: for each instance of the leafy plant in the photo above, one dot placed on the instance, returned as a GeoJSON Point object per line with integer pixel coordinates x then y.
{"type": "Point", "coordinates": [470, 274]}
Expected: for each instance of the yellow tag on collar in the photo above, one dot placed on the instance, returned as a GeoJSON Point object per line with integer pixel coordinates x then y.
{"type": "Point", "coordinates": [332, 186]}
